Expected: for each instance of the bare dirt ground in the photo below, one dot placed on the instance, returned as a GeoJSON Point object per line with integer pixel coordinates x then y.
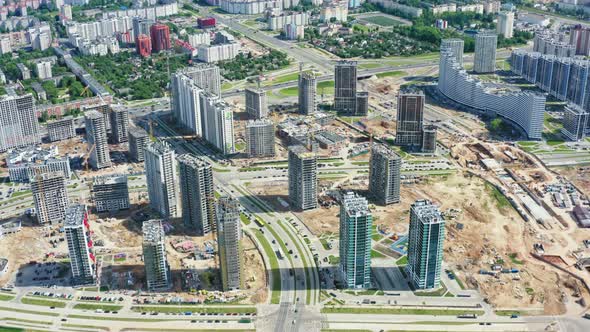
{"type": "Point", "coordinates": [12, 248]}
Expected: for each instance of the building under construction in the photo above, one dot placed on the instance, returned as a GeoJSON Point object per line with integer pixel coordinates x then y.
{"type": "Point", "coordinates": [229, 233]}
{"type": "Point", "coordinates": [303, 178]}
{"type": "Point", "coordinates": [50, 197]}
{"type": "Point", "coordinates": [110, 193]}
{"type": "Point", "coordinates": [157, 271]}
{"type": "Point", "coordinates": [197, 193]}
{"type": "Point", "coordinates": [119, 118]}
{"type": "Point", "coordinates": [138, 139]}
{"type": "Point", "coordinates": [384, 175]}
{"type": "Point", "coordinates": [96, 136]}
{"type": "Point", "coordinates": [61, 129]}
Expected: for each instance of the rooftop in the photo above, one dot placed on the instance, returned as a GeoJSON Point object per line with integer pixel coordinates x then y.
{"type": "Point", "coordinates": [75, 215]}
{"type": "Point", "coordinates": [427, 212]}
{"type": "Point", "coordinates": [355, 205]}
{"type": "Point", "coordinates": [137, 132]}
{"type": "Point", "coordinates": [109, 179]}
{"type": "Point", "coordinates": [385, 151]}
{"type": "Point", "coordinates": [192, 160]}
{"type": "Point", "coordinates": [153, 232]}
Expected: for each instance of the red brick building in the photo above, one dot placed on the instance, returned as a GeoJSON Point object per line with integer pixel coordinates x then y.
{"type": "Point", "coordinates": [143, 45]}
{"type": "Point", "coordinates": [160, 37]}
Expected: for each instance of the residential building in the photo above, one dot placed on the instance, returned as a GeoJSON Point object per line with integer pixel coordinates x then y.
{"type": "Point", "coordinates": [575, 122]}
{"type": "Point", "coordinates": [18, 122]}
{"type": "Point", "coordinates": [25, 72]}
{"type": "Point", "coordinates": [355, 241]}
{"type": "Point", "coordinates": [186, 103]}
{"type": "Point", "coordinates": [345, 78]}
{"type": "Point", "coordinates": [410, 119]}
{"type": "Point", "coordinates": [384, 175]}
{"type": "Point", "coordinates": [160, 36]}
{"type": "Point", "coordinates": [110, 193]}
{"type": "Point", "coordinates": [425, 245]}
{"type": "Point", "coordinates": [278, 21]}
{"type": "Point", "coordinates": [96, 136]}
{"type": "Point", "coordinates": [143, 45]}
{"type": "Point", "coordinates": [62, 129]}
{"type": "Point", "coordinates": [229, 234]}
{"type": "Point", "coordinates": [43, 69]}
{"type": "Point", "coordinates": [40, 36]}
{"type": "Point", "coordinates": [157, 271]}
{"type": "Point", "coordinates": [82, 259]}
{"type": "Point", "coordinates": [138, 139]}
{"type": "Point", "coordinates": [260, 138]}
{"type": "Point", "coordinates": [337, 10]}
{"type": "Point", "coordinates": [580, 37]}
{"type": "Point", "coordinates": [50, 197]}
{"type": "Point", "coordinates": [104, 108]}
{"type": "Point", "coordinates": [505, 25]}
{"type": "Point", "coordinates": [24, 163]}
{"type": "Point", "coordinates": [307, 92]}
{"type": "Point", "coordinates": [119, 124]}
{"type": "Point", "coordinates": [203, 38]}
{"type": "Point", "coordinates": [256, 105]}
{"type": "Point", "coordinates": [454, 45]}
{"type": "Point", "coordinates": [218, 123]}
{"type": "Point", "coordinates": [142, 25]}
{"type": "Point", "coordinates": [198, 194]}
{"type": "Point", "coordinates": [160, 170]}
{"type": "Point", "coordinates": [303, 178]}
{"type": "Point", "coordinates": [252, 7]}
{"type": "Point", "coordinates": [294, 31]}
{"type": "Point", "coordinates": [205, 76]}
{"type": "Point", "coordinates": [484, 59]}
{"type": "Point", "coordinates": [523, 108]}
{"type": "Point", "coordinates": [218, 52]}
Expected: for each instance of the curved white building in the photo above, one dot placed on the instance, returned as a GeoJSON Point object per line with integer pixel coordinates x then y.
{"type": "Point", "coordinates": [524, 109]}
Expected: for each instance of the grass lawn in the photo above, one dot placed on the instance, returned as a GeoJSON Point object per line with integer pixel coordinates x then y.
{"type": "Point", "coordinates": [402, 261]}
{"type": "Point", "coordinates": [199, 309]}
{"type": "Point", "coordinates": [5, 297]}
{"type": "Point", "coordinates": [34, 312]}
{"type": "Point", "coordinates": [398, 311]}
{"type": "Point", "coordinates": [90, 306]}
{"type": "Point", "coordinates": [221, 170]}
{"type": "Point", "coordinates": [377, 254]}
{"type": "Point", "coordinates": [289, 92]}
{"type": "Point", "coordinates": [275, 297]}
{"type": "Point", "coordinates": [392, 74]}
{"type": "Point", "coordinates": [333, 260]}
{"type": "Point", "coordinates": [383, 21]}
{"type": "Point", "coordinates": [284, 78]}
{"type": "Point", "coordinates": [326, 87]}
{"type": "Point", "coordinates": [41, 302]}
{"type": "Point", "coordinates": [38, 322]}
{"type": "Point", "coordinates": [376, 237]}
{"type": "Point", "coordinates": [86, 326]}
{"type": "Point", "coordinates": [244, 219]}
{"type": "Point", "coordinates": [370, 65]}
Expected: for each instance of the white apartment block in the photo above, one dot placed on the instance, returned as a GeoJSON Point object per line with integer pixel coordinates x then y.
{"type": "Point", "coordinates": [218, 123]}
{"type": "Point", "coordinates": [197, 39]}
{"type": "Point", "coordinates": [216, 53]}
{"type": "Point", "coordinates": [43, 69]}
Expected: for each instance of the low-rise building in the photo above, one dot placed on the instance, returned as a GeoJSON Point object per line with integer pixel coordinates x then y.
{"type": "Point", "coordinates": [27, 162]}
